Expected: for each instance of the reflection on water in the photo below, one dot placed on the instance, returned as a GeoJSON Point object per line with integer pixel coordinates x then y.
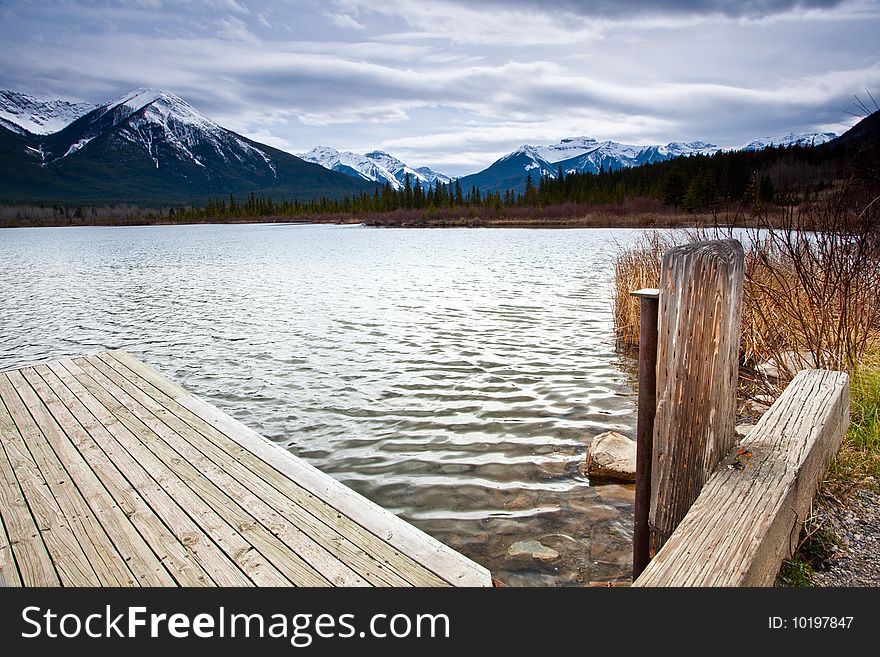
{"type": "Point", "coordinates": [453, 376]}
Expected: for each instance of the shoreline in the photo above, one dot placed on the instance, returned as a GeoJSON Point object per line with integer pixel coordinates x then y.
{"type": "Point", "coordinates": [602, 221]}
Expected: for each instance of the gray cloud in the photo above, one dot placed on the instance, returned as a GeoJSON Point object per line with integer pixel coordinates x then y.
{"type": "Point", "coordinates": [622, 10]}
{"type": "Point", "coordinates": [453, 84]}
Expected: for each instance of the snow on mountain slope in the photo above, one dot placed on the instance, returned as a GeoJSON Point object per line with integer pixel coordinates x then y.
{"type": "Point", "coordinates": [585, 154]}
{"type": "Point", "coordinates": [399, 170]}
{"type": "Point", "coordinates": [564, 150]}
{"type": "Point", "coordinates": [166, 127]}
{"type": "Point", "coordinates": [353, 164]}
{"type": "Point", "coordinates": [182, 127]}
{"type": "Point", "coordinates": [35, 115]}
{"type": "Point", "coordinates": [376, 166]}
{"type": "Point", "coordinates": [624, 153]}
{"type": "Point", "coordinates": [791, 139]}
{"type": "Point", "coordinates": [678, 148]}
{"type": "Point", "coordinates": [575, 154]}
{"type": "Point", "coordinates": [152, 147]}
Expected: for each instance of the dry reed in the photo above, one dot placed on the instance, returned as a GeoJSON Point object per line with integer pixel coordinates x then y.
{"type": "Point", "coordinates": [812, 284]}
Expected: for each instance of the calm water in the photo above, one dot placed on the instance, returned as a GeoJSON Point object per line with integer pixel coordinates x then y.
{"type": "Point", "coordinates": [453, 376]}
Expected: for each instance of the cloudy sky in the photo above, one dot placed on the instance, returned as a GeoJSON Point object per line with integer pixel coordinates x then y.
{"type": "Point", "coordinates": [454, 84]}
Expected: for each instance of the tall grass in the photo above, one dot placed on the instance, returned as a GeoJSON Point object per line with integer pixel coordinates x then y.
{"type": "Point", "coordinates": [859, 457]}
{"type": "Point", "coordinates": [635, 269]}
{"type": "Point", "coordinates": [813, 284]}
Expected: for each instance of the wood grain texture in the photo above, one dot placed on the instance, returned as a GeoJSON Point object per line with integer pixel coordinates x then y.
{"type": "Point", "coordinates": [420, 558]}
{"type": "Point", "coordinates": [697, 364]}
{"type": "Point", "coordinates": [110, 474]}
{"type": "Point", "coordinates": [109, 498]}
{"type": "Point", "coordinates": [123, 478]}
{"type": "Point", "coordinates": [168, 497]}
{"type": "Point", "coordinates": [26, 561]}
{"type": "Point", "coordinates": [749, 515]}
{"type": "Point", "coordinates": [294, 553]}
{"type": "Point", "coordinates": [217, 513]}
{"type": "Point", "coordinates": [284, 506]}
{"type": "Point", "coordinates": [56, 558]}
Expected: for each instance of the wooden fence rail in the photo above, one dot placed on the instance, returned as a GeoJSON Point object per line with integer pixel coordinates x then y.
{"type": "Point", "coordinates": [748, 517]}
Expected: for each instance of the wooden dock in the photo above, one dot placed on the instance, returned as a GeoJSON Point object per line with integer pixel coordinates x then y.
{"type": "Point", "coordinates": [113, 475]}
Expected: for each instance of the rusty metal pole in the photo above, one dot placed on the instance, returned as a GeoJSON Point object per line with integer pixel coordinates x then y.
{"type": "Point", "coordinates": [648, 317]}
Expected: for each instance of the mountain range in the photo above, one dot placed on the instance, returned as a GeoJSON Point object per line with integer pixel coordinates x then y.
{"type": "Point", "coordinates": [151, 146]}
{"type": "Point", "coordinates": [586, 155]}
{"type": "Point", "coordinates": [377, 166]}
{"type": "Point", "coordinates": [146, 147]}
{"type": "Point", "coordinates": [791, 139]}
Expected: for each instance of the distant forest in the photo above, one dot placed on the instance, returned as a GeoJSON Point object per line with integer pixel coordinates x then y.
{"type": "Point", "coordinates": [697, 183]}
{"type": "Point", "coordinates": [747, 180]}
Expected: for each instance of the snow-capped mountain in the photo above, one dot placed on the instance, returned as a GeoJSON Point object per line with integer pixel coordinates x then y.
{"type": "Point", "coordinates": [376, 166]}
{"type": "Point", "coordinates": [166, 128]}
{"type": "Point", "coordinates": [587, 155]}
{"type": "Point", "coordinates": [791, 139]}
{"type": "Point", "coordinates": [577, 147]}
{"type": "Point", "coordinates": [150, 144]}
{"type": "Point", "coordinates": [575, 154]}
{"type": "Point", "coordinates": [19, 112]}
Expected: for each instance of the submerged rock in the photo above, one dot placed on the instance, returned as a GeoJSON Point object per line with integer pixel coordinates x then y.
{"type": "Point", "coordinates": [534, 549]}
{"type": "Point", "coordinates": [611, 455]}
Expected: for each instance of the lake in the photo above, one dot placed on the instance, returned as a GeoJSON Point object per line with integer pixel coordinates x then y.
{"type": "Point", "coordinates": [454, 376]}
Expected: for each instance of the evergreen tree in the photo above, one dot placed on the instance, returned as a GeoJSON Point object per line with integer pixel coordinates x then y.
{"type": "Point", "coordinates": [407, 193]}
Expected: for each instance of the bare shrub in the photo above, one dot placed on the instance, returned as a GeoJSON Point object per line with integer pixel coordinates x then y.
{"type": "Point", "coordinates": [812, 283]}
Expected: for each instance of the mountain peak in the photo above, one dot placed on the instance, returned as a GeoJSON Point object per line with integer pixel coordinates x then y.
{"type": "Point", "coordinates": [19, 111]}
{"type": "Point", "coordinates": [377, 166]}
{"type": "Point", "coordinates": [161, 104]}
{"type": "Point", "coordinates": [142, 96]}
{"type": "Point", "coordinates": [791, 139]}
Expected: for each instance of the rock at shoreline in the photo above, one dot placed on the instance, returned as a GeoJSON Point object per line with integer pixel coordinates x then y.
{"type": "Point", "coordinates": [611, 455]}
{"type": "Point", "coordinates": [792, 361]}
{"type": "Point", "coordinates": [534, 549]}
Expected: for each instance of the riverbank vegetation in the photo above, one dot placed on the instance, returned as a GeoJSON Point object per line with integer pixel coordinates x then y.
{"type": "Point", "coordinates": [811, 298]}
{"type": "Point", "coordinates": [632, 213]}
{"type": "Point", "coordinates": [812, 282]}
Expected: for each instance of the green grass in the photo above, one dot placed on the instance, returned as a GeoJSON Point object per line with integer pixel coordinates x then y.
{"type": "Point", "coordinates": [856, 464]}
{"type": "Point", "coordinates": [795, 572]}
{"type": "Point", "coordinates": [815, 552]}
{"type": "Point", "coordinates": [859, 456]}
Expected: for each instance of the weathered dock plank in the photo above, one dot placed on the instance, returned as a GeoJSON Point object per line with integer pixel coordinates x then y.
{"type": "Point", "coordinates": [56, 558]}
{"type": "Point", "coordinates": [111, 474]}
{"type": "Point", "coordinates": [275, 510]}
{"type": "Point", "coordinates": [169, 499]}
{"type": "Point", "coordinates": [136, 492]}
{"type": "Point", "coordinates": [748, 517]}
{"type": "Point", "coordinates": [306, 510]}
{"type": "Point", "coordinates": [141, 562]}
{"type": "Point", "coordinates": [26, 559]}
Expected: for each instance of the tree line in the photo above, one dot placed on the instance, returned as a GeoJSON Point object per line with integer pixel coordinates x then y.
{"type": "Point", "coordinates": [696, 183]}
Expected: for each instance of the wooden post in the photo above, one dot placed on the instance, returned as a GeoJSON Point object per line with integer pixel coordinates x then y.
{"type": "Point", "coordinates": [697, 367]}
{"type": "Point", "coordinates": [648, 308]}
{"type": "Point", "coordinates": [749, 515]}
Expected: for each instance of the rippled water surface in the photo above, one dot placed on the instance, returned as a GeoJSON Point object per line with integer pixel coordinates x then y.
{"type": "Point", "coordinates": [453, 376]}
